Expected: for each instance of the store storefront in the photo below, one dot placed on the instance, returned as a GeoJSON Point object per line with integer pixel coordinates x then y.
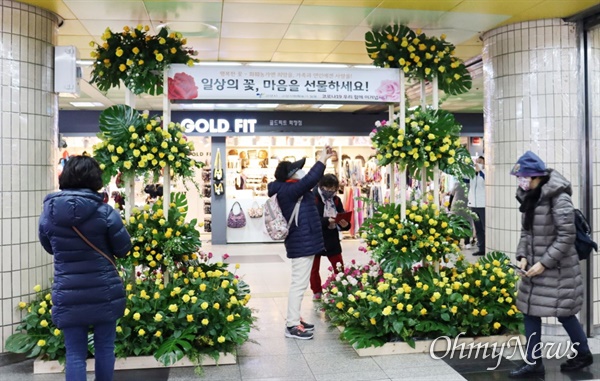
{"type": "Point", "coordinates": [250, 145]}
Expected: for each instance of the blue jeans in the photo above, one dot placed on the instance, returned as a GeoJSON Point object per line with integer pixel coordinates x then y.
{"type": "Point", "coordinates": [533, 334]}
{"type": "Point", "coordinates": [76, 343]}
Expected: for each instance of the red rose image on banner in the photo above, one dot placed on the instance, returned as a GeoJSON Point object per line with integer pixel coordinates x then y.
{"type": "Point", "coordinates": [182, 86]}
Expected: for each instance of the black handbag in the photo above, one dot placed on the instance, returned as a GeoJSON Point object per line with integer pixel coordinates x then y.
{"type": "Point", "coordinates": [218, 167]}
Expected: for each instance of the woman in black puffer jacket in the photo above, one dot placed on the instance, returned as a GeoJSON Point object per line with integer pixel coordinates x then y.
{"type": "Point", "coordinates": [551, 285]}
{"type": "Point", "coordinates": [87, 289]}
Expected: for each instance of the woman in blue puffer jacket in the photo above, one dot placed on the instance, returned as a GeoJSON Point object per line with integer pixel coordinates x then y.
{"type": "Point", "coordinates": [87, 289]}
{"type": "Point", "coordinates": [305, 239]}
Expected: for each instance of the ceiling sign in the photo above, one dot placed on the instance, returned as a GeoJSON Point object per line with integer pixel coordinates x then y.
{"type": "Point", "coordinates": [306, 85]}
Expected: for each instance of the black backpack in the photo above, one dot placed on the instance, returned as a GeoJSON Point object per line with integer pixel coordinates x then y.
{"type": "Point", "coordinates": [583, 241]}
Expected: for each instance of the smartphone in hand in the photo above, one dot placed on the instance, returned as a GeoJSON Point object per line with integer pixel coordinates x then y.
{"type": "Point", "coordinates": [517, 269]}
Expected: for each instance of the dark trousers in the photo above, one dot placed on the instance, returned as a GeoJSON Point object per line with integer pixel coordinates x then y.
{"type": "Point", "coordinates": [480, 228]}
{"type": "Point", "coordinates": [315, 278]}
{"type": "Point", "coordinates": [533, 334]}
{"type": "Point", "coordinates": [76, 342]}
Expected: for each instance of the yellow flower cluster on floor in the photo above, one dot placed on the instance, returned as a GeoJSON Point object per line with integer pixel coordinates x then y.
{"type": "Point", "coordinates": [134, 143]}
{"type": "Point", "coordinates": [137, 58]}
{"type": "Point", "coordinates": [160, 318]}
{"type": "Point", "coordinates": [419, 56]}
{"type": "Point", "coordinates": [376, 306]}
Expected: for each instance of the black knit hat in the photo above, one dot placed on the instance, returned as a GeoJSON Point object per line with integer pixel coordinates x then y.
{"type": "Point", "coordinates": [286, 169]}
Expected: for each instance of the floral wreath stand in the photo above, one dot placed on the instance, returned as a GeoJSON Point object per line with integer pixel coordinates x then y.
{"type": "Point", "coordinates": [388, 48]}
{"type": "Point", "coordinates": [237, 333]}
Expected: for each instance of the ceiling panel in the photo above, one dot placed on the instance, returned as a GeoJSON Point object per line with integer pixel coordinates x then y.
{"type": "Point", "coordinates": [184, 11]}
{"type": "Point", "coordinates": [252, 30]}
{"type": "Point", "coordinates": [428, 5]}
{"type": "Point", "coordinates": [72, 28]}
{"type": "Point", "coordinates": [361, 59]}
{"type": "Point", "coordinates": [312, 31]}
{"type": "Point", "coordinates": [236, 55]}
{"type": "Point", "coordinates": [259, 13]}
{"type": "Point", "coordinates": [278, 2]}
{"type": "Point", "coordinates": [127, 10]}
{"type": "Point", "coordinates": [202, 44]}
{"type": "Point", "coordinates": [331, 15]}
{"type": "Point", "coordinates": [312, 46]}
{"type": "Point", "coordinates": [479, 22]}
{"type": "Point", "coordinates": [244, 45]}
{"type": "Point", "coordinates": [317, 32]}
{"type": "Point", "coordinates": [193, 28]}
{"type": "Point", "coordinates": [412, 18]}
{"type": "Point", "coordinates": [350, 47]}
{"type": "Point", "coordinates": [299, 57]}
{"type": "Point", "coordinates": [554, 8]}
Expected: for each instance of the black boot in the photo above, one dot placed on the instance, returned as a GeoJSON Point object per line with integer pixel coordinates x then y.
{"type": "Point", "coordinates": [580, 361]}
{"type": "Point", "coordinates": [526, 370]}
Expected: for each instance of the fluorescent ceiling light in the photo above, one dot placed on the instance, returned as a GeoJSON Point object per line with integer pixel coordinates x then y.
{"type": "Point", "coordinates": [306, 65]}
{"type": "Point", "coordinates": [218, 63]}
{"type": "Point", "coordinates": [330, 107]}
{"type": "Point", "coordinates": [267, 105]}
{"type": "Point", "coordinates": [84, 62]}
{"type": "Point", "coordinates": [87, 104]}
{"type": "Point", "coordinates": [198, 106]}
{"type": "Point", "coordinates": [365, 67]}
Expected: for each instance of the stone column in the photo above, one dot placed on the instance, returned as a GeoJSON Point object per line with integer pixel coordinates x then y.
{"type": "Point", "coordinates": [28, 151]}
{"type": "Point", "coordinates": [530, 74]}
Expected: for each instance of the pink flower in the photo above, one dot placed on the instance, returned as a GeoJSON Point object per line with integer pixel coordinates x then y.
{"type": "Point", "coordinates": [225, 256]}
{"type": "Point", "coordinates": [389, 91]}
{"type": "Point", "coordinates": [183, 86]}
{"type": "Point", "coordinates": [210, 255]}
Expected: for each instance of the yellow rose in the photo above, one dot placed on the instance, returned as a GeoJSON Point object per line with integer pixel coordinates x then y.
{"type": "Point", "coordinates": [204, 305]}
{"type": "Point", "coordinates": [57, 331]}
{"type": "Point", "coordinates": [221, 339]}
{"type": "Point", "coordinates": [173, 308]}
{"type": "Point", "coordinates": [44, 323]}
{"type": "Point", "coordinates": [189, 318]}
{"type": "Point", "coordinates": [158, 334]}
{"type": "Point", "coordinates": [37, 288]}
{"type": "Point", "coordinates": [141, 332]}
{"type": "Point", "coordinates": [41, 343]}
{"type": "Point", "coordinates": [204, 322]}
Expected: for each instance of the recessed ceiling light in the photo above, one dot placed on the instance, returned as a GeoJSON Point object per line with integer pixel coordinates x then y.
{"type": "Point", "coordinates": [87, 104]}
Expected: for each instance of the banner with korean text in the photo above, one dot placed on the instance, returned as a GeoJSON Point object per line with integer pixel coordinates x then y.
{"type": "Point", "coordinates": [275, 84]}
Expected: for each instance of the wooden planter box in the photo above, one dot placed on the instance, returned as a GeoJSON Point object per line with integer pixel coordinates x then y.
{"type": "Point", "coordinates": [441, 345]}
{"type": "Point", "coordinates": [138, 362]}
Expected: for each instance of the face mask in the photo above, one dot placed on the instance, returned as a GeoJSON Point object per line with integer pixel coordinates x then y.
{"type": "Point", "coordinates": [524, 183]}
{"type": "Point", "coordinates": [299, 174]}
{"type": "Point", "coordinates": [482, 166]}
{"type": "Point", "coordinates": [327, 194]}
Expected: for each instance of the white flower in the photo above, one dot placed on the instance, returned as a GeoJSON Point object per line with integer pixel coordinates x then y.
{"type": "Point", "coordinates": [378, 124]}
{"type": "Point", "coordinates": [344, 282]}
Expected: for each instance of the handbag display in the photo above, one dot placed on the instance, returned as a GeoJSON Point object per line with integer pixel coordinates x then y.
{"type": "Point", "coordinates": [207, 208]}
{"type": "Point", "coordinates": [207, 225]}
{"type": "Point", "coordinates": [236, 220]}
{"type": "Point", "coordinates": [218, 167]}
{"type": "Point", "coordinates": [256, 211]}
{"type": "Point", "coordinates": [206, 191]}
{"type": "Point", "coordinates": [206, 174]}
{"type": "Point", "coordinates": [218, 188]}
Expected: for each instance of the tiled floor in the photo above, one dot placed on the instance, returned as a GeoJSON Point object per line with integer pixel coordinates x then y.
{"type": "Point", "coordinates": [271, 356]}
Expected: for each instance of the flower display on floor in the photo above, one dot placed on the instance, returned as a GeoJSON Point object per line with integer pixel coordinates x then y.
{"type": "Point", "coordinates": [201, 311]}
{"type": "Point", "coordinates": [419, 56]}
{"type": "Point", "coordinates": [430, 137]}
{"type": "Point", "coordinates": [377, 306]}
{"type": "Point", "coordinates": [135, 144]}
{"type": "Point", "coordinates": [137, 58]}
{"type": "Point", "coordinates": [426, 234]}
{"type": "Point", "coordinates": [159, 242]}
